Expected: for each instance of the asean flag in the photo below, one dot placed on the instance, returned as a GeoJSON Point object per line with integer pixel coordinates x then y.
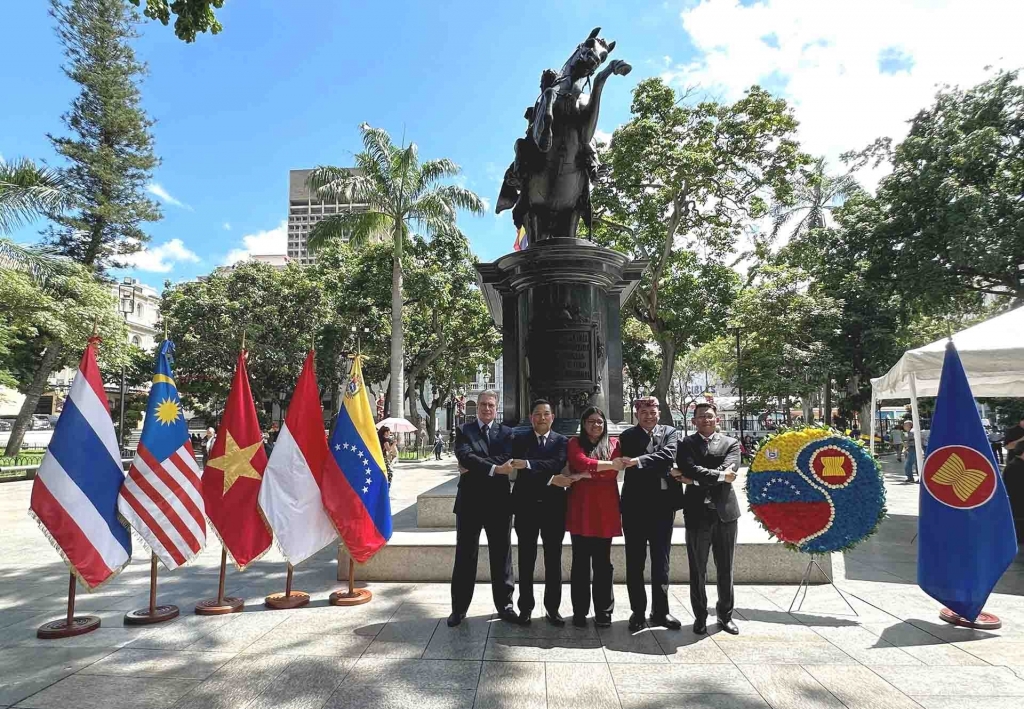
{"type": "Point", "coordinates": [354, 485]}
{"type": "Point", "coordinates": [232, 476]}
{"type": "Point", "coordinates": [965, 529]}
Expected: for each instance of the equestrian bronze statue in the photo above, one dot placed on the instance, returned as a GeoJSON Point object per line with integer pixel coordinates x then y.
{"type": "Point", "coordinates": [547, 186]}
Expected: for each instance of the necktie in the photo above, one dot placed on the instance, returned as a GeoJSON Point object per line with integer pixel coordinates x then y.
{"type": "Point", "coordinates": [541, 440]}
{"type": "Point", "coordinates": [487, 433]}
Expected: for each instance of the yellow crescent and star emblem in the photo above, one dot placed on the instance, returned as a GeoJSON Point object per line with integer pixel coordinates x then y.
{"type": "Point", "coordinates": [236, 462]}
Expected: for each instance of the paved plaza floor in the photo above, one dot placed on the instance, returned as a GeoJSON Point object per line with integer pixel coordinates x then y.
{"type": "Point", "coordinates": [397, 651]}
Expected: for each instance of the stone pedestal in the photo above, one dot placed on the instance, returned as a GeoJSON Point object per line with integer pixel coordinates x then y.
{"type": "Point", "coordinates": [558, 305]}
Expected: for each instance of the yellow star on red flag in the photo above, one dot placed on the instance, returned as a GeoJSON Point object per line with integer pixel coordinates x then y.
{"type": "Point", "coordinates": [236, 462]}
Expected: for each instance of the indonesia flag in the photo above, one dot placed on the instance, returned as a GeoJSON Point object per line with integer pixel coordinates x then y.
{"type": "Point", "coordinates": [162, 496]}
{"type": "Point", "coordinates": [290, 493]}
{"type": "Point", "coordinates": [74, 496]}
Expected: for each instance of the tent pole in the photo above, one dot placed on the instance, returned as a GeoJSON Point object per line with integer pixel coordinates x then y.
{"type": "Point", "coordinates": [918, 433]}
{"type": "Point", "coordinates": [871, 439]}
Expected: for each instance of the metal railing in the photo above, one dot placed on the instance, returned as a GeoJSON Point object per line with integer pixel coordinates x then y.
{"type": "Point", "coordinates": [9, 473]}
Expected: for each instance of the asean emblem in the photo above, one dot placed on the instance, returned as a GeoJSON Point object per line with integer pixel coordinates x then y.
{"type": "Point", "coordinates": [833, 466]}
{"type": "Point", "coordinates": [960, 477]}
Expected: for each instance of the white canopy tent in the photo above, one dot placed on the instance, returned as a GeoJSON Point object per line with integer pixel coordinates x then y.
{"type": "Point", "coordinates": [992, 353]}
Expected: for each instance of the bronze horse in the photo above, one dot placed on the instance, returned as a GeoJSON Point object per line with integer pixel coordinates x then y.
{"type": "Point", "coordinates": [548, 184]}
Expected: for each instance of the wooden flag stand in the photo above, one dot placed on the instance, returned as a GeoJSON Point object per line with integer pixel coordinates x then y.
{"type": "Point", "coordinates": [288, 599]}
{"type": "Point", "coordinates": [354, 596]}
{"type": "Point", "coordinates": [221, 604]}
{"type": "Point", "coordinates": [985, 621]}
{"type": "Point", "coordinates": [155, 613]}
{"type": "Point", "coordinates": [72, 625]}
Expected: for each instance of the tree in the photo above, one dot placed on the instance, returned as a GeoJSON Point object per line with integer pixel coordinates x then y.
{"type": "Point", "coordinates": [400, 194]}
{"type": "Point", "coordinates": [51, 324]}
{"type": "Point", "coordinates": [684, 180]}
{"type": "Point", "coordinates": [640, 357]}
{"type": "Point", "coordinates": [138, 371]}
{"type": "Point", "coordinates": [816, 194]}
{"type": "Point", "coordinates": [951, 208]}
{"type": "Point", "coordinates": [27, 192]}
{"type": "Point", "coordinates": [281, 313]}
{"type": "Point", "coordinates": [690, 380]}
{"type": "Point", "coordinates": [192, 16]}
{"type": "Point", "coordinates": [110, 153]}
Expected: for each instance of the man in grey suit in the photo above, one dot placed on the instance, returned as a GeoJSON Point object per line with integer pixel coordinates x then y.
{"type": "Point", "coordinates": [707, 462]}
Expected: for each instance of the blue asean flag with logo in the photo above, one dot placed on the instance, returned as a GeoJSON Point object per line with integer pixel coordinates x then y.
{"type": "Point", "coordinates": [965, 529]}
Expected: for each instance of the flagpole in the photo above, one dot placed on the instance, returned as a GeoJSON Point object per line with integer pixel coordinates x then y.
{"type": "Point", "coordinates": [288, 599]}
{"type": "Point", "coordinates": [221, 604]}
{"type": "Point", "coordinates": [69, 626]}
{"type": "Point", "coordinates": [353, 596]}
{"type": "Point", "coordinates": [155, 613]}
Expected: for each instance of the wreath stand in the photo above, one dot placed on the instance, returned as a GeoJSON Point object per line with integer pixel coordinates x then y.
{"type": "Point", "coordinates": [805, 585]}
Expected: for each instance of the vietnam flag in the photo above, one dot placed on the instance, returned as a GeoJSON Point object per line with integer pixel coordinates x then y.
{"type": "Point", "coordinates": [232, 477]}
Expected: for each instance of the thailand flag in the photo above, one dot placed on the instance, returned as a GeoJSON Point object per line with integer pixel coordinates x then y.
{"type": "Point", "coordinates": [162, 496]}
{"type": "Point", "coordinates": [354, 485]}
{"type": "Point", "coordinates": [966, 538]}
{"type": "Point", "coordinates": [74, 496]}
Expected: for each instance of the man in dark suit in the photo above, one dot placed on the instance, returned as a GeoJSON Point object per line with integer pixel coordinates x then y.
{"type": "Point", "coordinates": [707, 462]}
{"type": "Point", "coordinates": [538, 502]}
{"type": "Point", "coordinates": [650, 498]}
{"type": "Point", "coordinates": [483, 502]}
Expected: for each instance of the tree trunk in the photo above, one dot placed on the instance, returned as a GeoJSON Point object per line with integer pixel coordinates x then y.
{"type": "Point", "coordinates": [668, 363]}
{"type": "Point", "coordinates": [397, 338]}
{"type": "Point", "coordinates": [32, 395]}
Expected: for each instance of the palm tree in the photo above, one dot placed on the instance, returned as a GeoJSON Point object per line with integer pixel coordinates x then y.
{"type": "Point", "coordinates": [816, 194]}
{"type": "Point", "coordinates": [26, 193]}
{"type": "Point", "coordinates": [399, 194]}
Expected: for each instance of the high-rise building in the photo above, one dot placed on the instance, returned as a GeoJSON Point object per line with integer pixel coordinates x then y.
{"type": "Point", "coordinates": [305, 210]}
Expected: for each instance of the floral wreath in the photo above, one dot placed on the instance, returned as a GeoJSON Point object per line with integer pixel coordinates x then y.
{"type": "Point", "coordinates": [816, 490]}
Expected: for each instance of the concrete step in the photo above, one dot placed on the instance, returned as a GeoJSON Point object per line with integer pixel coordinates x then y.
{"type": "Point", "coordinates": [428, 555]}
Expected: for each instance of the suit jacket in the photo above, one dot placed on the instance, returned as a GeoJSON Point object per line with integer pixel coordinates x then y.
{"type": "Point", "coordinates": [702, 462]}
{"type": "Point", "coordinates": [531, 485]}
{"type": "Point", "coordinates": [479, 491]}
{"type": "Point", "coordinates": [642, 488]}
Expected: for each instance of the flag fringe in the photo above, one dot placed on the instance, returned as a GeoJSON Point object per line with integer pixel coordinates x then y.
{"type": "Point", "coordinates": [70, 565]}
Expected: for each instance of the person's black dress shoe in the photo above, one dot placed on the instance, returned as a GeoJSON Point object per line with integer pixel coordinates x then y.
{"type": "Point", "coordinates": [555, 619]}
{"type": "Point", "coordinates": [603, 620]}
{"type": "Point", "coordinates": [730, 627]}
{"type": "Point", "coordinates": [700, 627]}
{"type": "Point", "coordinates": [454, 619]}
{"type": "Point", "coordinates": [636, 622]}
{"type": "Point", "coordinates": [665, 621]}
{"type": "Point", "coordinates": [580, 621]}
{"type": "Point", "coordinates": [508, 615]}
{"type": "Point", "coordinates": [524, 618]}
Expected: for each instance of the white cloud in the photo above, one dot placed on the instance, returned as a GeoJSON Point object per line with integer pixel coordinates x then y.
{"type": "Point", "coordinates": [602, 136]}
{"type": "Point", "coordinates": [227, 226]}
{"type": "Point", "coordinates": [162, 258]}
{"type": "Point", "coordinates": [487, 203]}
{"type": "Point", "coordinates": [855, 70]}
{"type": "Point", "coordinates": [158, 191]}
{"type": "Point", "coordinates": [262, 243]}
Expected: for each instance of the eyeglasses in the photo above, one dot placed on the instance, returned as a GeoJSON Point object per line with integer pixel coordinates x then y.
{"type": "Point", "coordinates": [595, 422]}
{"type": "Point", "coordinates": [706, 417]}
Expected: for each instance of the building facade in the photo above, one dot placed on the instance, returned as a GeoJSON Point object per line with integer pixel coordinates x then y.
{"type": "Point", "coordinates": [304, 211]}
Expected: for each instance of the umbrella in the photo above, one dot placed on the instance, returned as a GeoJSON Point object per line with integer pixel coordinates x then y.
{"type": "Point", "coordinates": [397, 425]}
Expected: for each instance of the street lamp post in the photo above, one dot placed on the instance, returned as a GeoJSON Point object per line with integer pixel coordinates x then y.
{"type": "Point", "coordinates": [126, 294]}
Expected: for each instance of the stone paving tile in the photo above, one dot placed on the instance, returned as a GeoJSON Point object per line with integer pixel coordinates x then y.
{"type": "Point", "coordinates": [866, 648]}
{"type": "Point", "coordinates": [692, 701]}
{"type": "Point", "coordinates": [239, 633]}
{"type": "Point", "coordinates": [237, 683]}
{"type": "Point", "coordinates": [789, 687]}
{"type": "Point", "coordinates": [111, 638]}
{"type": "Point", "coordinates": [995, 651]}
{"type": "Point", "coordinates": [927, 648]}
{"type": "Point", "coordinates": [365, 696]}
{"type": "Point", "coordinates": [540, 628]}
{"type": "Point", "coordinates": [767, 631]}
{"type": "Point", "coordinates": [512, 685]}
{"type": "Point", "coordinates": [159, 663]}
{"type": "Point", "coordinates": [437, 674]}
{"type": "Point", "coordinates": [366, 620]}
{"type": "Point", "coordinates": [580, 686]}
{"type": "Point", "coordinates": [968, 702]}
{"type": "Point", "coordinates": [306, 683]}
{"type": "Point", "coordinates": [97, 692]}
{"type": "Point", "coordinates": [466, 641]}
{"type": "Point", "coordinates": [767, 652]}
{"type": "Point", "coordinates": [402, 638]}
{"type": "Point", "coordinates": [178, 633]}
{"type": "Point", "coordinates": [963, 681]}
{"type": "Point", "coordinates": [680, 679]}
{"type": "Point", "coordinates": [620, 645]}
{"type": "Point", "coordinates": [544, 650]}
{"type": "Point", "coordinates": [25, 671]}
{"type": "Point", "coordinates": [686, 648]}
{"type": "Point", "coordinates": [286, 642]}
{"type": "Point", "coordinates": [860, 688]}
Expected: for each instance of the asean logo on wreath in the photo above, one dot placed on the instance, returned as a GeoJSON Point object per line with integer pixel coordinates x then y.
{"type": "Point", "coordinates": [815, 491]}
{"type": "Point", "coordinates": [959, 477]}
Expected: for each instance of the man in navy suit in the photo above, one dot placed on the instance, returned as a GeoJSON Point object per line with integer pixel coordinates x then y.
{"type": "Point", "coordinates": [484, 501]}
{"type": "Point", "coordinates": [538, 502]}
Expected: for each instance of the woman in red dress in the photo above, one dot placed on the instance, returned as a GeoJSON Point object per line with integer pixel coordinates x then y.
{"type": "Point", "coordinates": [592, 517]}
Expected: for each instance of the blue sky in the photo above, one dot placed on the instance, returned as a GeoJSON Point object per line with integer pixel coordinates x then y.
{"type": "Point", "coordinates": [286, 85]}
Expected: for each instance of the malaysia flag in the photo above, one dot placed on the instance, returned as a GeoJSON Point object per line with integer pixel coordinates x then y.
{"type": "Point", "coordinates": [162, 496]}
{"type": "Point", "coordinates": [74, 495]}
{"type": "Point", "coordinates": [354, 485]}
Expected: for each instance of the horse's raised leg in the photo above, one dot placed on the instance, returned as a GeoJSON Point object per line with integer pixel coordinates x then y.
{"type": "Point", "coordinates": [544, 134]}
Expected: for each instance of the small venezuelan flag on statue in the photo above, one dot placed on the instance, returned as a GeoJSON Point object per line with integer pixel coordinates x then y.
{"type": "Point", "coordinates": [521, 240]}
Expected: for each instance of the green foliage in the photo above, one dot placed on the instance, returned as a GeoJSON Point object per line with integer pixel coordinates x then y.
{"type": "Point", "coordinates": [192, 16]}
{"type": "Point", "coordinates": [641, 362]}
{"type": "Point", "coordinates": [138, 371]}
{"type": "Point", "coordinates": [683, 182]}
{"type": "Point", "coordinates": [110, 149]}
{"type": "Point", "coordinates": [28, 191]}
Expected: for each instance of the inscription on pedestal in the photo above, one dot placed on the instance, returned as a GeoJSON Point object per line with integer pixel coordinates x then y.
{"type": "Point", "coordinates": [564, 356]}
